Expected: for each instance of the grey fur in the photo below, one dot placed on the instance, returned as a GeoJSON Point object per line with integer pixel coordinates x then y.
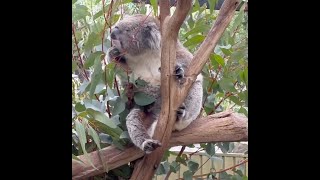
{"type": "Point", "coordinates": [137, 43]}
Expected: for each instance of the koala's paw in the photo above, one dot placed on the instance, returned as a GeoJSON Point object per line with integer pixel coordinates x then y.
{"type": "Point", "coordinates": [150, 145]}
{"type": "Point", "coordinates": [181, 112]}
{"type": "Point", "coordinates": [113, 53]}
{"type": "Point", "coordinates": [179, 72]}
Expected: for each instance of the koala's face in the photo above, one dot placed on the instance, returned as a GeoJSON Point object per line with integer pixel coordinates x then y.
{"type": "Point", "coordinates": [136, 34]}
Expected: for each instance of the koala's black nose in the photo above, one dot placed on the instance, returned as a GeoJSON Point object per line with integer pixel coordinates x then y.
{"type": "Point", "coordinates": [114, 33]}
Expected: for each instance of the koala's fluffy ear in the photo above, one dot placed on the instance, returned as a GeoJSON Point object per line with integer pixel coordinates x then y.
{"type": "Point", "coordinates": [151, 34]}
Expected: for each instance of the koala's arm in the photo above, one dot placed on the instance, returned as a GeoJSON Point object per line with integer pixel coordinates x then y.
{"type": "Point", "coordinates": [138, 133]}
{"type": "Point", "coordinates": [191, 107]}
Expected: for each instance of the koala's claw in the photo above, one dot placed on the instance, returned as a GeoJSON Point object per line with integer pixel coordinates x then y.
{"type": "Point", "coordinates": [114, 52]}
{"type": "Point", "coordinates": [179, 72]}
{"type": "Point", "coordinates": [150, 145]}
{"type": "Point", "coordinates": [181, 111]}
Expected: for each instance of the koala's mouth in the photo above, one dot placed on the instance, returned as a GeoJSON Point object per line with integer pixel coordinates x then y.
{"type": "Point", "coordinates": [117, 44]}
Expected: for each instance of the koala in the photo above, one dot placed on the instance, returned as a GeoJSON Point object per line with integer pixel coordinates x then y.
{"type": "Point", "coordinates": [136, 46]}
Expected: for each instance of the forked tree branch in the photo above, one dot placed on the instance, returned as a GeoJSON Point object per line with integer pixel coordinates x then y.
{"type": "Point", "coordinates": [145, 169]}
{"type": "Point", "coordinates": [172, 95]}
{"type": "Point", "coordinates": [221, 127]}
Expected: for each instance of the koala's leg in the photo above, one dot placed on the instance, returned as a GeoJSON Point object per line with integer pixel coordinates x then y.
{"type": "Point", "coordinates": [191, 107]}
{"type": "Point", "coordinates": [138, 133]}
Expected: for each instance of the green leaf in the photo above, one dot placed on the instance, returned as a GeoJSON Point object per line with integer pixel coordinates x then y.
{"type": "Point", "coordinates": [224, 176]}
{"type": "Point", "coordinates": [193, 165]}
{"type": "Point", "coordinates": [80, 107]}
{"type": "Point", "coordinates": [238, 171]}
{"type": "Point", "coordinates": [81, 134]}
{"type": "Point", "coordinates": [143, 99]}
{"type": "Point", "coordinates": [227, 85]}
{"type": "Point", "coordinates": [99, 14]}
{"type": "Point", "coordinates": [74, 66]}
{"type": "Point", "coordinates": [244, 111]}
{"type": "Point", "coordinates": [94, 39]}
{"type": "Point", "coordinates": [244, 76]}
{"type": "Point", "coordinates": [237, 20]}
{"type": "Point", "coordinates": [79, 12]}
{"type": "Point", "coordinates": [237, 55]}
{"type": "Point", "coordinates": [235, 100]}
{"type": "Point", "coordinates": [212, 4]}
{"type": "Point", "coordinates": [92, 104]}
{"type": "Point", "coordinates": [190, 21]}
{"type": "Point", "coordinates": [115, 119]}
{"type": "Point", "coordinates": [105, 138]}
{"type": "Point", "coordinates": [96, 75]}
{"type": "Point", "coordinates": [74, 1]}
{"type": "Point", "coordinates": [99, 88]}
{"type": "Point", "coordinates": [226, 51]}
{"type": "Point", "coordinates": [166, 155]}
{"type": "Point", "coordinates": [91, 59]}
{"type": "Point", "coordinates": [203, 28]}
{"type": "Point", "coordinates": [118, 107]}
{"type": "Point", "coordinates": [187, 175]}
{"type": "Point", "coordinates": [102, 118]}
{"type": "Point", "coordinates": [174, 167]}
{"type": "Point", "coordinates": [224, 146]}
{"type": "Point", "coordinates": [194, 40]}
{"type": "Point", "coordinates": [219, 59]}
{"type": "Point", "coordinates": [161, 170]}
{"type": "Point", "coordinates": [154, 4]}
{"type": "Point", "coordinates": [95, 136]}
{"type": "Point", "coordinates": [124, 135]}
{"type": "Point", "coordinates": [118, 145]}
{"type": "Point", "coordinates": [84, 87]}
{"type": "Point", "coordinates": [76, 158]}
{"type": "Point", "coordinates": [109, 75]}
{"type": "Point", "coordinates": [181, 160]}
{"type": "Point", "coordinates": [210, 149]}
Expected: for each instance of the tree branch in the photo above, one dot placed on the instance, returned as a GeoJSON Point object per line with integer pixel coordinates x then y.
{"type": "Point", "coordinates": [221, 127]}
{"type": "Point", "coordinates": [144, 170]}
{"type": "Point", "coordinates": [200, 58]}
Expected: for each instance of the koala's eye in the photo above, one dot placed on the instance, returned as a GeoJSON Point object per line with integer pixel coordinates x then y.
{"type": "Point", "coordinates": [116, 27]}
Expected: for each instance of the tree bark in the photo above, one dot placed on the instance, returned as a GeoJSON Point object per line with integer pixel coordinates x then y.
{"type": "Point", "coordinates": [172, 95]}
{"type": "Point", "coordinates": [145, 169]}
{"type": "Point", "coordinates": [221, 127]}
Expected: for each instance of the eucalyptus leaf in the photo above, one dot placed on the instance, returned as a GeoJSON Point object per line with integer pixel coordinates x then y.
{"type": "Point", "coordinates": [74, 66]}
{"type": "Point", "coordinates": [142, 99]}
{"type": "Point", "coordinates": [187, 175]}
{"type": "Point", "coordinates": [96, 76]}
{"type": "Point", "coordinates": [174, 166]}
{"type": "Point", "coordinates": [80, 107]}
{"type": "Point", "coordinates": [81, 135]}
{"type": "Point", "coordinates": [102, 118]}
{"type": "Point", "coordinates": [194, 40]}
{"type": "Point", "coordinates": [118, 107]}
{"type": "Point", "coordinates": [210, 149]}
{"type": "Point", "coordinates": [124, 135]}
{"type": "Point", "coordinates": [227, 85]}
{"type": "Point", "coordinates": [76, 158]}
{"type": "Point", "coordinates": [193, 165]}
{"type": "Point", "coordinates": [91, 59]}
{"type": "Point", "coordinates": [94, 135]}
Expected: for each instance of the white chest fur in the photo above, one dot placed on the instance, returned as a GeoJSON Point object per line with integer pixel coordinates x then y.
{"type": "Point", "coordinates": [146, 66]}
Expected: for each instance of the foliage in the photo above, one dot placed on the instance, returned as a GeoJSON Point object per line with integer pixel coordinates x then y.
{"type": "Point", "coordinates": [100, 104]}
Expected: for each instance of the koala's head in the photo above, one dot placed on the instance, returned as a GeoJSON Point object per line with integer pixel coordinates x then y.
{"type": "Point", "coordinates": [136, 34]}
